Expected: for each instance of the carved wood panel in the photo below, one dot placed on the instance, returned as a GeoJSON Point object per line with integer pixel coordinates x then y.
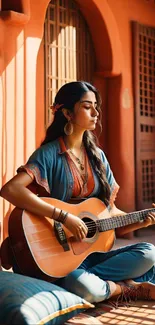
{"type": "Point", "coordinates": [144, 88]}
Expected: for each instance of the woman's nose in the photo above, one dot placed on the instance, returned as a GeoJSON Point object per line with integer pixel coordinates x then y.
{"type": "Point", "coordinates": [95, 111]}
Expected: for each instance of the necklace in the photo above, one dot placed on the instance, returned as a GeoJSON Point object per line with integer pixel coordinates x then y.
{"type": "Point", "coordinates": [81, 169]}
{"type": "Point", "coordinates": [82, 172]}
{"type": "Point", "coordinates": [78, 159]}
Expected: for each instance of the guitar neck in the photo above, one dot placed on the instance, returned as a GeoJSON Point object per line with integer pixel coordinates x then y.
{"type": "Point", "coordinates": [122, 220]}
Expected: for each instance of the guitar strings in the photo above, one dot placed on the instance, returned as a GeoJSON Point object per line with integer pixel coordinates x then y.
{"type": "Point", "coordinates": [90, 225]}
{"type": "Point", "coordinates": [108, 221]}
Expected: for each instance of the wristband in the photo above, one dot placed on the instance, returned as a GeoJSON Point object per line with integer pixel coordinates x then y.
{"type": "Point", "coordinates": [62, 216]}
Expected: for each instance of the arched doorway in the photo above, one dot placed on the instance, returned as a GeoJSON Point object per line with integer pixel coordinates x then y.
{"type": "Point", "coordinates": [107, 57]}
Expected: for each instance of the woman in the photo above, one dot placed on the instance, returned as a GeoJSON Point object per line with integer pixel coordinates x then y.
{"type": "Point", "coordinates": [69, 166]}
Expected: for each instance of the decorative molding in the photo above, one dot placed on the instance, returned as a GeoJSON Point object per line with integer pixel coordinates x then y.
{"type": "Point", "coordinates": [13, 17]}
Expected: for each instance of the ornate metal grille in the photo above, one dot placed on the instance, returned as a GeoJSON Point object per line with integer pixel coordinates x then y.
{"type": "Point", "coordinates": [69, 53]}
{"type": "Point", "coordinates": [147, 71]}
{"type": "Point", "coordinates": [144, 84]}
{"type": "Point", "coordinates": [148, 180]}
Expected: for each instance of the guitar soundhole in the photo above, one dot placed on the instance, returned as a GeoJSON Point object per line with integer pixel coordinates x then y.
{"type": "Point", "coordinates": [91, 227]}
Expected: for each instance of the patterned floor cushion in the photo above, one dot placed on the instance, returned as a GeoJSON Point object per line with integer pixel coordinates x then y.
{"type": "Point", "coordinates": [25, 300]}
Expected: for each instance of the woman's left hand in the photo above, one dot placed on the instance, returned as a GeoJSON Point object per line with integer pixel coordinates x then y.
{"type": "Point", "coordinates": [150, 219]}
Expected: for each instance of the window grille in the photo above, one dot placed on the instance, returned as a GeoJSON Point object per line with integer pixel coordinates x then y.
{"type": "Point", "coordinates": [147, 71]}
{"type": "Point", "coordinates": [144, 87]}
{"type": "Point", "coordinates": [69, 53]}
{"type": "Point", "coordinates": [148, 180]}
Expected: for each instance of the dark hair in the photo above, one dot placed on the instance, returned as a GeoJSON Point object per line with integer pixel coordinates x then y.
{"type": "Point", "coordinates": [67, 96]}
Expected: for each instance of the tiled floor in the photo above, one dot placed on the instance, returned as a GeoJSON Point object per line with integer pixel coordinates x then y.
{"type": "Point", "coordinates": [140, 312]}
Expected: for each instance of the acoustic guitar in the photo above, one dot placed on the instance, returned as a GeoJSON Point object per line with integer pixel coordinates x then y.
{"type": "Point", "coordinates": [45, 249]}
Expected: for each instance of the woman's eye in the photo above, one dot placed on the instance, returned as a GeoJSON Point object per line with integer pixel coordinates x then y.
{"type": "Point", "coordinates": [87, 106]}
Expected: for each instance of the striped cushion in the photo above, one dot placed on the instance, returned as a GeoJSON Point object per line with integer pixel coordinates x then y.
{"type": "Point", "coordinates": [25, 300]}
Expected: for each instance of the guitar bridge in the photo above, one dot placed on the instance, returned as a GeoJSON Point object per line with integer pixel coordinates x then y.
{"type": "Point", "coordinates": [61, 236]}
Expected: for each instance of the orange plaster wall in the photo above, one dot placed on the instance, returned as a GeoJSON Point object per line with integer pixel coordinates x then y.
{"type": "Point", "coordinates": [40, 97]}
{"type": "Point", "coordinates": [12, 109]}
{"type": "Point", "coordinates": [20, 39]}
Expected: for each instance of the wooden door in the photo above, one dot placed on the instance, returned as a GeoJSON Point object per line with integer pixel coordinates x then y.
{"type": "Point", "coordinates": [144, 99]}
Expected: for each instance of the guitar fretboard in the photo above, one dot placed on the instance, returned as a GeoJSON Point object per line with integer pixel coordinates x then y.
{"type": "Point", "coordinates": [122, 220]}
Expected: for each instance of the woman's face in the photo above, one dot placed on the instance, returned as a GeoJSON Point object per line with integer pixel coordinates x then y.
{"type": "Point", "coordinates": [85, 112]}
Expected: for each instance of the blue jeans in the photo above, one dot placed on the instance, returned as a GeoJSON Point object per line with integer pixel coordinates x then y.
{"type": "Point", "coordinates": [130, 262]}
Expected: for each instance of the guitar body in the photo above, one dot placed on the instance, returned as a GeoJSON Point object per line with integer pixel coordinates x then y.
{"type": "Point", "coordinates": [40, 252]}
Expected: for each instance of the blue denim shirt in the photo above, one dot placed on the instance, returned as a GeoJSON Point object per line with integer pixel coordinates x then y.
{"type": "Point", "coordinates": [51, 170]}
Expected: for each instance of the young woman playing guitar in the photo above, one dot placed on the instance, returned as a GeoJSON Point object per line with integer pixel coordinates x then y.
{"type": "Point", "coordinates": [70, 167]}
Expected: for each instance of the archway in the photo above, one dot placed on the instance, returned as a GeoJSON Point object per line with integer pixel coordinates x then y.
{"type": "Point", "coordinates": [108, 51]}
{"type": "Point", "coordinates": [99, 18]}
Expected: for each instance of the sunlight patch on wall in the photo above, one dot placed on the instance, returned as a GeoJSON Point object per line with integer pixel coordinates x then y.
{"type": "Point", "coordinates": [32, 47]}
{"type": "Point", "coordinates": [19, 119]}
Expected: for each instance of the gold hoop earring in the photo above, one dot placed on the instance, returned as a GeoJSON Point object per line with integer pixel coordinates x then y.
{"type": "Point", "coordinates": [68, 128]}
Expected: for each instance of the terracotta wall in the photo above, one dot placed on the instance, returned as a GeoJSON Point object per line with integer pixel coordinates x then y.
{"type": "Point", "coordinates": [22, 83]}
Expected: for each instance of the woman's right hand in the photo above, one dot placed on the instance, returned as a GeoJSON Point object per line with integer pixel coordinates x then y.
{"type": "Point", "coordinates": [76, 226]}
